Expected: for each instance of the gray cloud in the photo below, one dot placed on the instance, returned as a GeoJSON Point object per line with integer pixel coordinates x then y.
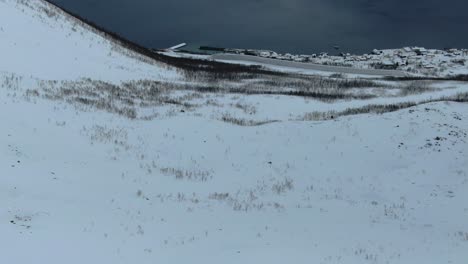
{"type": "Point", "coordinates": [305, 26]}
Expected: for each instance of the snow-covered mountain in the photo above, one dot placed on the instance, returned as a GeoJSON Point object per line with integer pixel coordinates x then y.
{"type": "Point", "coordinates": [109, 157]}
{"type": "Point", "coordinates": [39, 40]}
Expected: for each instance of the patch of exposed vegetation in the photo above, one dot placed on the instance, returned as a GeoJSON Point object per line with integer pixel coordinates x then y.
{"type": "Point", "coordinates": [379, 108]}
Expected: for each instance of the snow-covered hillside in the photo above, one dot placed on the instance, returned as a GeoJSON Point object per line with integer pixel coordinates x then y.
{"type": "Point", "coordinates": [37, 39]}
{"type": "Point", "coordinates": [87, 187]}
{"type": "Point", "coordinates": [107, 157]}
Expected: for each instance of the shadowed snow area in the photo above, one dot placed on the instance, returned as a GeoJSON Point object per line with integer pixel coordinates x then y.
{"type": "Point", "coordinates": [109, 157]}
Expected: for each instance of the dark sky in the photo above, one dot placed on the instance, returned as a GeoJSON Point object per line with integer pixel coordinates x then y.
{"type": "Point", "coordinates": [297, 26]}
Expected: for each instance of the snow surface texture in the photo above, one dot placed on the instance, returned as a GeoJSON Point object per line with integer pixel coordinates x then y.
{"type": "Point", "coordinates": [87, 187]}
{"type": "Point", "coordinates": [39, 40]}
{"type": "Point", "coordinates": [79, 185]}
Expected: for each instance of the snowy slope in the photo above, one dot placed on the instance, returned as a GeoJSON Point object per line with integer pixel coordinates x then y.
{"type": "Point", "coordinates": [181, 182]}
{"type": "Point", "coordinates": [87, 187]}
{"type": "Point", "coordinates": [41, 41]}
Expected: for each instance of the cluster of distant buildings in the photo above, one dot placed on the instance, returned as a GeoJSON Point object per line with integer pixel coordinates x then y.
{"type": "Point", "coordinates": [411, 59]}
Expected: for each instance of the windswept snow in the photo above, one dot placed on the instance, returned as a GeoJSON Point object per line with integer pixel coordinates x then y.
{"type": "Point", "coordinates": [39, 40]}
{"type": "Point", "coordinates": [194, 169]}
{"type": "Point", "coordinates": [87, 187]}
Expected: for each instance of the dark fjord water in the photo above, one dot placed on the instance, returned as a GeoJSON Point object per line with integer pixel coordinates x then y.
{"type": "Point", "coordinates": [296, 26]}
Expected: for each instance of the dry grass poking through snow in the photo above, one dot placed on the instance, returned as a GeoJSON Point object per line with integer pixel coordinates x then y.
{"type": "Point", "coordinates": [147, 100]}
{"type": "Point", "coordinates": [379, 109]}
